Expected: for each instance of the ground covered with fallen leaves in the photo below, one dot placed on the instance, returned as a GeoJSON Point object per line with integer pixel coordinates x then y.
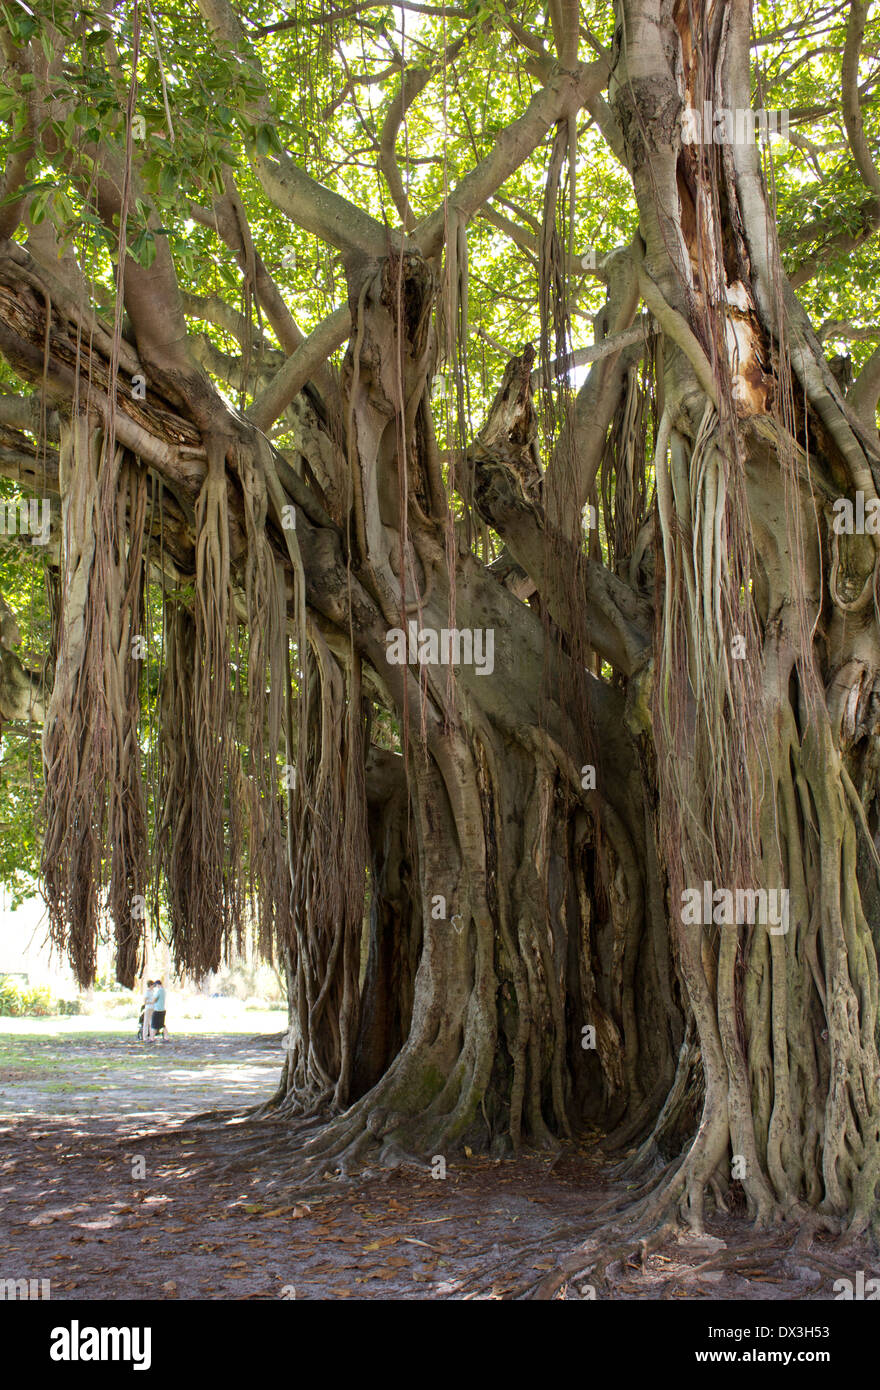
{"type": "Point", "coordinates": [110, 1189]}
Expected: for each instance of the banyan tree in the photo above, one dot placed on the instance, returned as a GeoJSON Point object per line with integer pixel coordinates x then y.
{"type": "Point", "coordinates": [441, 402]}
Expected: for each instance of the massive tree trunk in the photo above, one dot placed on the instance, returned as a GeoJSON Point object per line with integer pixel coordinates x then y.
{"type": "Point", "coordinates": [759, 765]}
{"type": "Point", "coordinates": [527, 910]}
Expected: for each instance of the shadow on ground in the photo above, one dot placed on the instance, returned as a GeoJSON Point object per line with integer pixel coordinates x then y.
{"type": "Point", "coordinates": [109, 1190]}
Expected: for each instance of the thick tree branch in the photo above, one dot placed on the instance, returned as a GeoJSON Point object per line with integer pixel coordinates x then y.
{"type": "Point", "coordinates": [147, 427]}
{"type": "Point", "coordinates": [231, 369]}
{"type": "Point", "coordinates": [852, 114]}
{"type": "Point", "coordinates": [565, 19]}
{"type": "Point", "coordinates": [864, 393]}
{"type": "Point", "coordinates": [857, 449]}
{"type": "Point", "coordinates": [151, 294]}
{"type": "Point", "coordinates": [222, 220]}
{"type": "Point", "coordinates": [841, 242]}
{"type": "Point", "coordinates": [211, 308]}
{"type": "Point", "coordinates": [596, 352]}
{"type": "Point", "coordinates": [413, 81]}
{"type": "Point", "coordinates": [617, 619]}
{"type": "Point", "coordinates": [300, 367]}
{"type": "Point", "coordinates": [565, 94]}
{"type": "Point", "coordinates": [844, 329]}
{"type": "Point", "coordinates": [305, 201]}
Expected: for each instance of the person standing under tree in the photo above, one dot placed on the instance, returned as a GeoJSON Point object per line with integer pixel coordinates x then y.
{"type": "Point", "coordinates": [158, 1023]}
{"type": "Point", "coordinates": [149, 1003]}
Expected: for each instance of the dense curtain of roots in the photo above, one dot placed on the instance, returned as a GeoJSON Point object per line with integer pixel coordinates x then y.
{"type": "Point", "coordinates": [94, 799]}
{"type": "Point", "coordinates": [220, 823]}
{"type": "Point", "coordinates": [266, 679]}
{"type": "Point", "coordinates": [327, 810]}
{"type": "Point", "coordinates": [127, 824]}
{"type": "Point", "coordinates": [202, 793]}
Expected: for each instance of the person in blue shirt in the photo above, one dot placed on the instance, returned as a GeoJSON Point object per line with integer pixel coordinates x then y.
{"type": "Point", "coordinates": [158, 1019]}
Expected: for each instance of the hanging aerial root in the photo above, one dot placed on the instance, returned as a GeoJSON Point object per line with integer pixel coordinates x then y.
{"type": "Point", "coordinates": [266, 682]}
{"type": "Point", "coordinates": [327, 811]}
{"type": "Point", "coordinates": [200, 838]}
{"type": "Point", "coordinates": [128, 872]}
{"type": "Point", "coordinates": [93, 789]}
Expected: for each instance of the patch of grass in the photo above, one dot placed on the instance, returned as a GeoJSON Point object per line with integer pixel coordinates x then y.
{"type": "Point", "coordinates": [10, 1037]}
{"type": "Point", "coordinates": [22, 1060]}
{"type": "Point", "coordinates": [66, 1086]}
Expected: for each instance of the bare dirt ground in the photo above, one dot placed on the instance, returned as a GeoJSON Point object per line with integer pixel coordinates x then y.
{"type": "Point", "coordinates": [109, 1189]}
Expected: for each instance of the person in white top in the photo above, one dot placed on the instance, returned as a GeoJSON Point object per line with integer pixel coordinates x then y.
{"type": "Point", "coordinates": [149, 1004]}
{"type": "Point", "coordinates": [158, 1029]}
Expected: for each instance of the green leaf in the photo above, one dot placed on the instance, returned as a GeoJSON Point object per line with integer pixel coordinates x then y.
{"type": "Point", "coordinates": [143, 249]}
{"type": "Point", "coordinates": [38, 208]}
{"type": "Point", "coordinates": [267, 140]}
